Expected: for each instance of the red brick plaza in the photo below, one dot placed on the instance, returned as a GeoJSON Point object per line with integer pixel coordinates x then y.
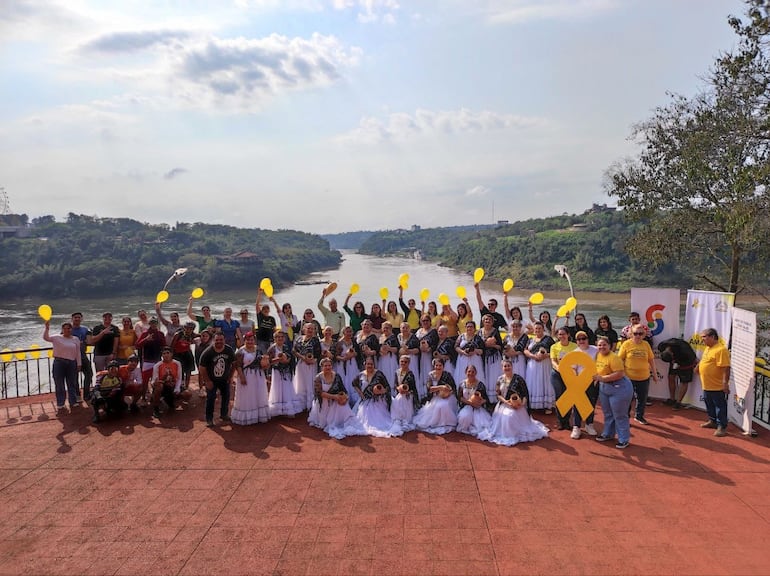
{"type": "Point", "coordinates": [135, 496]}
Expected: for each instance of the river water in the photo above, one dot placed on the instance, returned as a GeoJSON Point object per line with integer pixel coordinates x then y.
{"type": "Point", "coordinates": [20, 325]}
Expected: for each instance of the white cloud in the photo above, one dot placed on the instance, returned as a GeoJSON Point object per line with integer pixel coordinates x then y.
{"type": "Point", "coordinates": [521, 11]}
{"type": "Point", "coordinates": [477, 191]}
{"type": "Point", "coordinates": [400, 126]}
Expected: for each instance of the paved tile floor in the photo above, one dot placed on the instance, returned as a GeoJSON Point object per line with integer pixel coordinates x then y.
{"type": "Point", "coordinates": [137, 496]}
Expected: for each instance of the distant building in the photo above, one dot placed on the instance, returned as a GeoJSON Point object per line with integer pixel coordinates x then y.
{"type": "Point", "coordinates": [415, 227]}
{"type": "Point", "coordinates": [599, 208]}
{"type": "Point", "coordinates": [242, 258]}
{"type": "Point", "coordinates": [502, 222]}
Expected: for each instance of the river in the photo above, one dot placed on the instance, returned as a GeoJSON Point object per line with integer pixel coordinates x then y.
{"type": "Point", "coordinates": [20, 325]}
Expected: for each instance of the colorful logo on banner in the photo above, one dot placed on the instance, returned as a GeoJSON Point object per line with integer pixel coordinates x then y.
{"type": "Point", "coordinates": [654, 317]}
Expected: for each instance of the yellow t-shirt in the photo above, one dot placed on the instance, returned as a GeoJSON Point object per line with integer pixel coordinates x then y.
{"type": "Point", "coordinates": [606, 365]}
{"type": "Point", "coordinates": [636, 358]}
{"type": "Point", "coordinates": [711, 367]}
{"type": "Point", "coordinates": [558, 351]}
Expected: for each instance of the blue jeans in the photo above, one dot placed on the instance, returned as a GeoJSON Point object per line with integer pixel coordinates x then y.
{"type": "Point", "coordinates": [211, 398]}
{"type": "Point", "coordinates": [593, 396]}
{"type": "Point", "coordinates": [65, 372]}
{"type": "Point", "coordinates": [615, 398]}
{"type": "Point", "coordinates": [641, 390]}
{"type": "Point", "coordinates": [716, 406]}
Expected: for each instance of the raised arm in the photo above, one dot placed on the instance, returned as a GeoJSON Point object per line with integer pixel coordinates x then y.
{"type": "Point", "coordinates": [190, 314]}
{"type": "Point", "coordinates": [479, 299]}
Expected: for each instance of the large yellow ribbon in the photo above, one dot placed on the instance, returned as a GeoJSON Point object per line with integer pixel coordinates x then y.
{"type": "Point", "coordinates": [577, 370]}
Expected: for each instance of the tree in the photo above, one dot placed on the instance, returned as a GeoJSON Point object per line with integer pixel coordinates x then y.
{"type": "Point", "coordinates": [700, 183]}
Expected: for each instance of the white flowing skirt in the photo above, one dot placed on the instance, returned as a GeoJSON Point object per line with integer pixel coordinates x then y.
{"type": "Point", "coordinates": [473, 421]}
{"type": "Point", "coordinates": [511, 426]}
{"type": "Point", "coordinates": [402, 411]}
{"type": "Point", "coordinates": [304, 375]}
{"type": "Point", "coordinates": [338, 421]}
{"type": "Point", "coordinates": [538, 380]}
{"type": "Point", "coordinates": [251, 404]}
{"type": "Point", "coordinates": [282, 400]}
{"type": "Point", "coordinates": [388, 364]}
{"type": "Point", "coordinates": [438, 416]}
{"type": "Point", "coordinates": [493, 369]}
{"type": "Point", "coordinates": [348, 371]}
{"type": "Point", "coordinates": [462, 364]}
{"type": "Point", "coordinates": [375, 418]}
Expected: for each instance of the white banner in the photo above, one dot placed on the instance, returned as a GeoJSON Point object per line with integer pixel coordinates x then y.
{"type": "Point", "coordinates": [705, 310]}
{"type": "Point", "coordinates": [742, 354]}
{"type": "Point", "coordinates": [659, 309]}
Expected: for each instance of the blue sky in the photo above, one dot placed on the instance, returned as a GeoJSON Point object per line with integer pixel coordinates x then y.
{"type": "Point", "coordinates": [335, 115]}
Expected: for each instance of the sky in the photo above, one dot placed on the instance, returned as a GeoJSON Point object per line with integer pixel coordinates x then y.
{"type": "Point", "coordinates": [336, 115]}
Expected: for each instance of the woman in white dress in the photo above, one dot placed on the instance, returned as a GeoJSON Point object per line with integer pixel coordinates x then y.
{"type": "Point", "coordinates": [388, 361]}
{"type": "Point", "coordinates": [409, 345]}
{"type": "Point", "coordinates": [445, 349]}
{"type": "Point", "coordinates": [473, 417]}
{"type": "Point", "coordinates": [330, 410]}
{"type": "Point", "coordinates": [439, 414]}
{"type": "Point", "coordinates": [282, 400]}
{"type": "Point", "coordinates": [307, 353]}
{"type": "Point", "coordinates": [493, 347]}
{"type": "Point", "coordinates": [251, 404]}
{"type": "Point", "coordinates": [515, 344]}
{"type": "Point", "coordinates": [347, 364]}
{"type": "Point", "coordinates": [511, 421]}
{"type": "Point", "coordinates": [328, 345]}
{"type": "Point", "coordinates": [373, 411]}
{"type": "Point", "coordinates": [367, 343]}
{"type": "Point", "coordinates": [407, 401]}
{"type": "Point", "coordinates": [427, 336]}
{"type": "Point", "coordinates": [469, 348]}
{"type": "Point", "coordinates": [538, 378]}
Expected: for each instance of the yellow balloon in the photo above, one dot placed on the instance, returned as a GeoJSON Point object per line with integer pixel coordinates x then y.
{"type": "Point", "coordinates": [161, 297]}
{"type": "Point", "coordinates": [405, 285]}
{"type": "Point", "coordinates": [268, 290]}
{"type": "Point", "coordinates": [536, 298]}
{"type": "Point", "coordinates": [403, 281]}
{"type": "Point", "coordinates": [424, 294]}
{"type": "Point", "coordinates": [35, 351]}
{"type": "Point", "coordinates": [443, 299]}
{"type": "Point", "coordinates": [197, 293]}
{"type": "Point", "coordinates": [45, 312]}
{"type": "Point", "coordinates": [461, 292]}
{"type": "Point", "coordinates": [354, 288]}
{"type": "Point", "coordinates": [6, 355]}
{"type": "Point", "coordinates": [478, 274]}
{"type": "Point", "coordinates": [383, 293]}
{"type": "Point", "coordinates": [571, 303]}
{"type": "Point", "coordinates": [264, 283]}
{"type": "Point", "coordinates": [20, 355]}
{"type": "Point", "coordinates": [507, 285]}
{"type": "Point", "coordinates": [562, 311]}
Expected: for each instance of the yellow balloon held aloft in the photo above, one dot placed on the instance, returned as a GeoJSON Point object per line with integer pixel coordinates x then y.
{"type": "Point", "coordinates": [383, 293]}
{"type": "Point", "coordinates": [536, 298]}
{"type": "Point", "coordinates": [161, 297]}
{"type": "Point", "coordinates": [507, 285]}
{"type": "Point", "coordinates": [197, 293]}
{"type": "Point", "coordinates": [443, 299]}
{"type": "Point", "coordinates": [461, 293]}
{"type": "Point", "coordinates": [45, 312]}
{"type": "Point", "coordinates": [6, 355]}
{"type": "Point", "coordinates": [562, 311]}
{"type": "Point", "coordinates": [354, 288]}
{"type": "Point", "coordinates": [35, 351]}
{"type": "Point", "coordinates": [478, 275]}
{"type": "Point", "coordinates": [424, 294]}
{"type": "Point", "coordinates": [571, 303]}
{"type": "Point", "coordinates": [403, 281]}
{"type": "Point", "coordinates": [264, 283]}
{"type": "Point", "coordinates": [268, 290]}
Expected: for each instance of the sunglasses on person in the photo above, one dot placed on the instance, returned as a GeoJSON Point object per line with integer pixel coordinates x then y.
{"type": "Point", "coordinates": [581, 338]}
{"type": "Point", "coordinates": [638, 333]}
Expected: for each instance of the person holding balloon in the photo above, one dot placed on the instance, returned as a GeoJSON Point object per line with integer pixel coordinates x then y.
{"type": "Point", "coordinates": [358, 314]}
{"type": "Point", "coordinates": [66, 363]}
{"type": "Point", "coordinates": [448, 317]}
{"type": "Point", "coordinates": [491, 306]}
{"type": "Point", "coordinates": [411, 314]}
{"type": "Point", "coordinates": [392, 314]}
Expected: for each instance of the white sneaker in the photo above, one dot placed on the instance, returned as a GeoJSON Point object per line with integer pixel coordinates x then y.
{"type": "Point", "coordinates": [575, 433]}
{"type": "Point", "coordinates": [590, 430]}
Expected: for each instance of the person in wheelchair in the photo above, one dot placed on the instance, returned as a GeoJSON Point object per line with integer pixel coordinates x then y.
{"type": "Point", "coordinates": [108, 392]}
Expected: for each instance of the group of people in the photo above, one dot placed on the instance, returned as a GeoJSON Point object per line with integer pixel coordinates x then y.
{"type": "Point", "coordinates": [393, 369]}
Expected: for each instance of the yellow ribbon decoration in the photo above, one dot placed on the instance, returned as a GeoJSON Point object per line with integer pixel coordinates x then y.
{"type": "Point", "coordinates": [577, 370]}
